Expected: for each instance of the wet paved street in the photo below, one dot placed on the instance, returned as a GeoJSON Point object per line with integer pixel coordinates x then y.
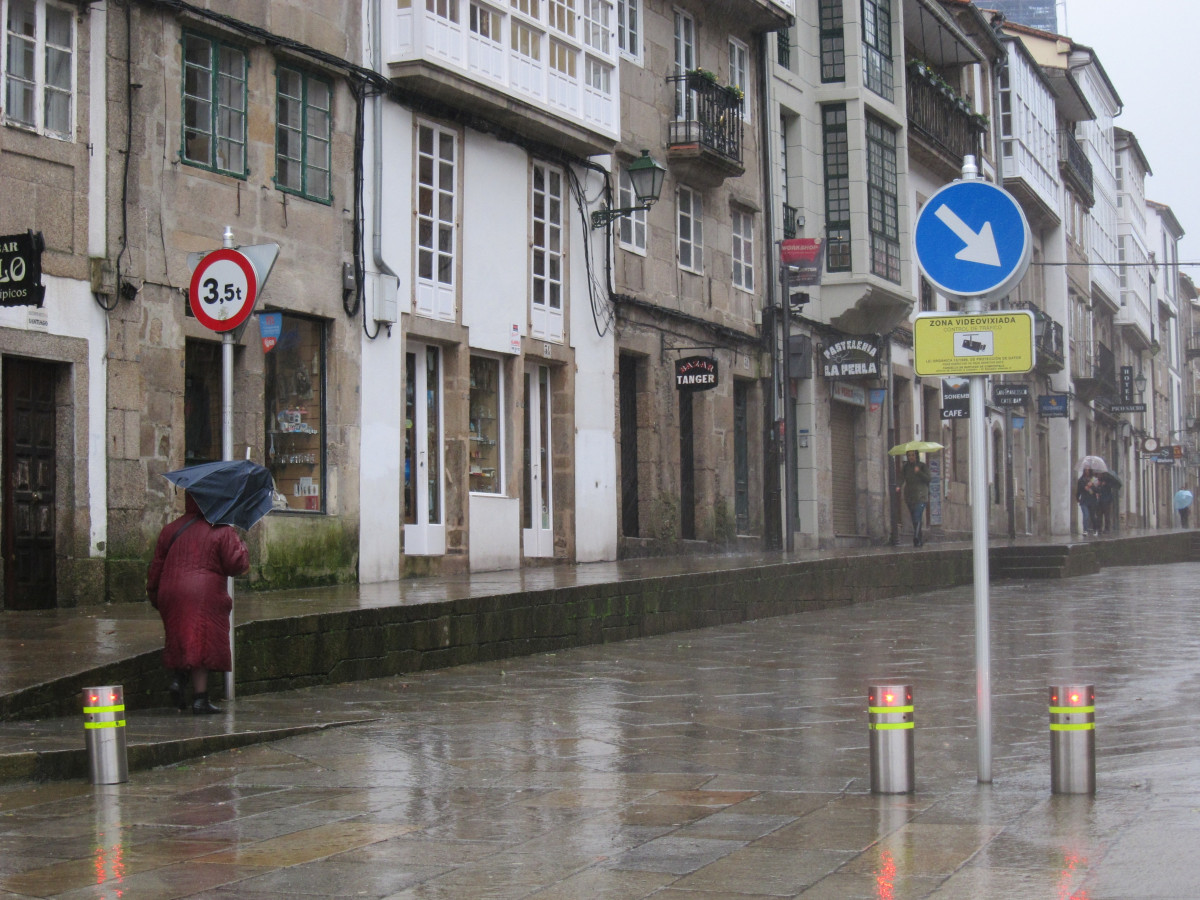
{"type": "Point", "coordinates": [724, 763]}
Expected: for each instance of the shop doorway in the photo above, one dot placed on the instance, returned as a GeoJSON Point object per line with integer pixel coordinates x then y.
{"type": "Point", "coordinates": [30, 476]}
{"type": "Point", "coordinates": [687, 469]}
{"type": "Point", "coordinates": [536, 495]}
{"type": "Point", "coordinates": [424, 500]}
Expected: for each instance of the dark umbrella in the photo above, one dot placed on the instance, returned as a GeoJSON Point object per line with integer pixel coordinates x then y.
{"type": "Point", "coordinates": [231, 492]}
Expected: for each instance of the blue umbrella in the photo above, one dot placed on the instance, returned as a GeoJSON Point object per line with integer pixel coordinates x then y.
{"type": "Point", "coordinates": [1183, 499]}
{"type": "Point", "coordinates": [230, 492]}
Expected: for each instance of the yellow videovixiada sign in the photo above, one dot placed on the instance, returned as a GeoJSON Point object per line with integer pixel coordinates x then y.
{"type": "Point", "coordinates": [991, 343]}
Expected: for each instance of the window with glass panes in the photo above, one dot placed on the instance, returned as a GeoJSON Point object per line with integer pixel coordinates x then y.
{"type": "Point", "coordinates": [836, 148]}
{"type": "Point", "coordinates": [739, 72]}
{"type": "Point", "coordinates": [436, 200]}
{"type": "Point", "coordinates": [485, 22]}
{"type": "Point", "coordinates": [631, 228]}
{"type": "Point", "coordinates": [629, 27]}
{"type": "Point", "coordinates": [597, 30]}
{"type": "Point", "coordinates": [833, 41]}
{"type": "Point", "coordinates": [294, 395]}
{"type": "Point", "coordinates": [743, 250]}
{"type": "Point", "coordinates": [302, 134]}
{"type": "Point", "coordinates": [214, 105]}
{"type": "Point", "coordinates": [485, 426]}
{"type": "Point", "coordinates": [562, 16]}
{"type": "Point", "coordinates": [883, 201]}
{"type": "Point", "coordinates": [547, 240]}
{"type": "Point", "coordinates": [691, 230]}
{"type": "Point", "coordinates": [877, 47]}
{"type": "Point", "coordinates": [39, 67]}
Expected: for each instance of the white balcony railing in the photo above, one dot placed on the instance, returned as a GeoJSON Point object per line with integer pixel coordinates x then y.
{"type": "Point", "coordinates": [569, 70]}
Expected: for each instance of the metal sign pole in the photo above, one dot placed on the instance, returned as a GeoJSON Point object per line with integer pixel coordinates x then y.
{"type": "Point", "coordinates": [227, 342]}
{"type": "Point", "coordinates": [979, 541]}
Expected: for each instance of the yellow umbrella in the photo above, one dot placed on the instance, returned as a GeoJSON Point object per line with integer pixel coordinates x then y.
{"type": "Point", "coordinates": [919, 446]}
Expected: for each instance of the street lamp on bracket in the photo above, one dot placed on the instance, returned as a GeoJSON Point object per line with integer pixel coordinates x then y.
{"type": "Point", "coordinates": [646, 174]}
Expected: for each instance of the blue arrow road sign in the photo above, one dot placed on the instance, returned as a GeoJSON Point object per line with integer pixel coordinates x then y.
{"type": "Point", "coordinates": [972, 240]}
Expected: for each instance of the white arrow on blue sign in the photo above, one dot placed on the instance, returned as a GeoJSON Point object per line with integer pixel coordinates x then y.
{"type": "Point", "coordinates": [972, 240]}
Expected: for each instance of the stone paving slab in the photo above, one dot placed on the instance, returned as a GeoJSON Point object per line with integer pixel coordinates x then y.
{"type": "Point", "coordinates": [727, 762]}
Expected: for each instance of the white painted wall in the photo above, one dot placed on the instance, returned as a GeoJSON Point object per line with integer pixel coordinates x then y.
{"type": "Point", "coordinates": [381, 473]}
{"type": "Point", "coordinates": [597, 494]}
{"type": "Point", "coordinates": [495, 233]}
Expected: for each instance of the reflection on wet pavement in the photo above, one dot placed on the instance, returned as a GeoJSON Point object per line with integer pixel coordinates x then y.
{"type": "Point", "coordinates": [707, 765]}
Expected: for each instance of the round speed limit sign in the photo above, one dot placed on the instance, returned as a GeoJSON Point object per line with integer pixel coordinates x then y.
{"type": "Point", "coordinates": [223, 290]}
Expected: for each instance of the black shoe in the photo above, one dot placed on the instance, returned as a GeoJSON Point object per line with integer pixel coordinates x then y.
{"type": "Point", "coordinates": [201, 706]}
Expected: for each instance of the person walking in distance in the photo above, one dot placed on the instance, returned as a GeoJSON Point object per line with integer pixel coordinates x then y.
{"type": "Point", "coordinates": [914, 485]}
{"type": "Point", "coordinates": [187, 585]}
{"type": "Point", "coordinates": [1087, 495]}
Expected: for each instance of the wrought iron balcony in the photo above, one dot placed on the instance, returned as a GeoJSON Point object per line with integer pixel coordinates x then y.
{"type": "Point", "coordinates": [1075, 166]}
{"type": "Point", "coordinates": [790, 221]}
{"type": "Point", "coordinates": [705, 139]}
{"type": "Point", "coordinates": [1192, 350]}
{"type": "Point", "coordinates": [1093, 369]}
{"type": "Point", "coordinates": [939, 116]}
{"type": "Point", "coordinates": [1047, 338]}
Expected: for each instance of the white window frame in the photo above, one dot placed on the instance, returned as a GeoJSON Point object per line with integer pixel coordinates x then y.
{"type": "Point", "coordinates": [684, 44]}
{"type": "Point", "coordinates": [597, 25]}
{"type": "Point", "coordinates": [631, 228]}
{"type": "Point", "coordinates": [485, 23]}
{"type": "Point", "coordinates": [38, 85]}
{"type": "Point", "coordinates": [548, 258]}
{"type": "Point", "coordinates": [690, 229]}
{"type": "Point", "coordinates": [435, 294]}
{"type": "Point", "coordinates": [742, 270]}
{"type": "Point", "coordinates": [739, 72]}
{"type": "Point", "coordinates": [629, 29]}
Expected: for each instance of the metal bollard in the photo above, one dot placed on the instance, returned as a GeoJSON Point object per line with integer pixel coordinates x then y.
{"type": "Point", "coordinates": [890, 720]}
{"type": "Point", "coordinates": [1073, 739]}
{"type": "Point", "coordinates": [104, 730]}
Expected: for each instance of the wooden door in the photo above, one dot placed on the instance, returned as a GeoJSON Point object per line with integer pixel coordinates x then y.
{"type": "Point", "coordinates": [29, 479]}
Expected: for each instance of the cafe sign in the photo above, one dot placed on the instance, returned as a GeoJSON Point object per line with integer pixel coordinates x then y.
{"type": "Point", "coordinates": [21, 269]}
{"type": "Point", "coordinates": [696, 373]}
{"type": "Point", "coordinates": [852, 358]}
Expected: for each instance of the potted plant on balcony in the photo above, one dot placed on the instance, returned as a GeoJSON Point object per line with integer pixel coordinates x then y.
{"type": "Point", "coordinates": [697, 79]}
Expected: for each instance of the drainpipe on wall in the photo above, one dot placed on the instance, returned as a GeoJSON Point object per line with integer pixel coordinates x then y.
{"type": "Point", "coordinates": [377, 150]}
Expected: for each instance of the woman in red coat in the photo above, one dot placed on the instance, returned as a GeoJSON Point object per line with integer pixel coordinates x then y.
{"type": "Point", "coordinates": [186, 584]}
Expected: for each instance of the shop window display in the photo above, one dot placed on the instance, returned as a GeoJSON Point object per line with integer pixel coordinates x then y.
{"type": "Point", "coordinates": [294, 394]}
{"type": "Point", "coordinates": [485, 425]}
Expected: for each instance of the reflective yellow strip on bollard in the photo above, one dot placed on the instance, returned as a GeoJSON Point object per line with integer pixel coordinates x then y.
{"type": "Point", "coordinates": [119, 723]}
{"type": "Point", "coordinates": [1069, 726]}
{"type": "Point", "coordinates": [885, 710]}
{"type": "Point", "coordinates": [103, 709]}
{"type": "Point", "coordinates": [890, 726]}
{"type": "Point", "coordinates": [1071, 710]}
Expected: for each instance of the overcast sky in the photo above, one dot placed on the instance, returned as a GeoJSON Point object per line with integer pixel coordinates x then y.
{"type": "Point", "coordinates": [1149, 50]}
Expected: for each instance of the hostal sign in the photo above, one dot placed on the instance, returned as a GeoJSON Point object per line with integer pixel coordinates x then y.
{"type": "Point", "coordinates": [21, 269]}
{"type": "Point", "coordinates": [851, 358]}
{"type": "Point", "coordinates": [696, 373]}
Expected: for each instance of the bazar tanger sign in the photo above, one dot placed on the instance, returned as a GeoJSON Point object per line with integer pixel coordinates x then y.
{"type": "Point", "coordinates": [852, 358]}
{"type": "Point", "coordinates": [696, 373]}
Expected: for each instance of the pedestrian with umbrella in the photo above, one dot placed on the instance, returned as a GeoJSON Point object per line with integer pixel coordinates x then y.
{"type": "Point", "coordinates": [193, 557]}
{"type": "Point", "coordinates": [914, 482]}
{"type": "Point", "coordinates": [1183, 505]}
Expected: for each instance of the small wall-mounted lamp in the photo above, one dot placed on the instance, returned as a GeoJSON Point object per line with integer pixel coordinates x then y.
{"type": "Point", "coordinates": [647, 175]}
{"type": "Point", "coordinates": [1139, 383]}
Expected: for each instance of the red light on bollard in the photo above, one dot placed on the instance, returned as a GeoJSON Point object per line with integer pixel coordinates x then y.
{"type": "Point", "coordinates": [890, 721]}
